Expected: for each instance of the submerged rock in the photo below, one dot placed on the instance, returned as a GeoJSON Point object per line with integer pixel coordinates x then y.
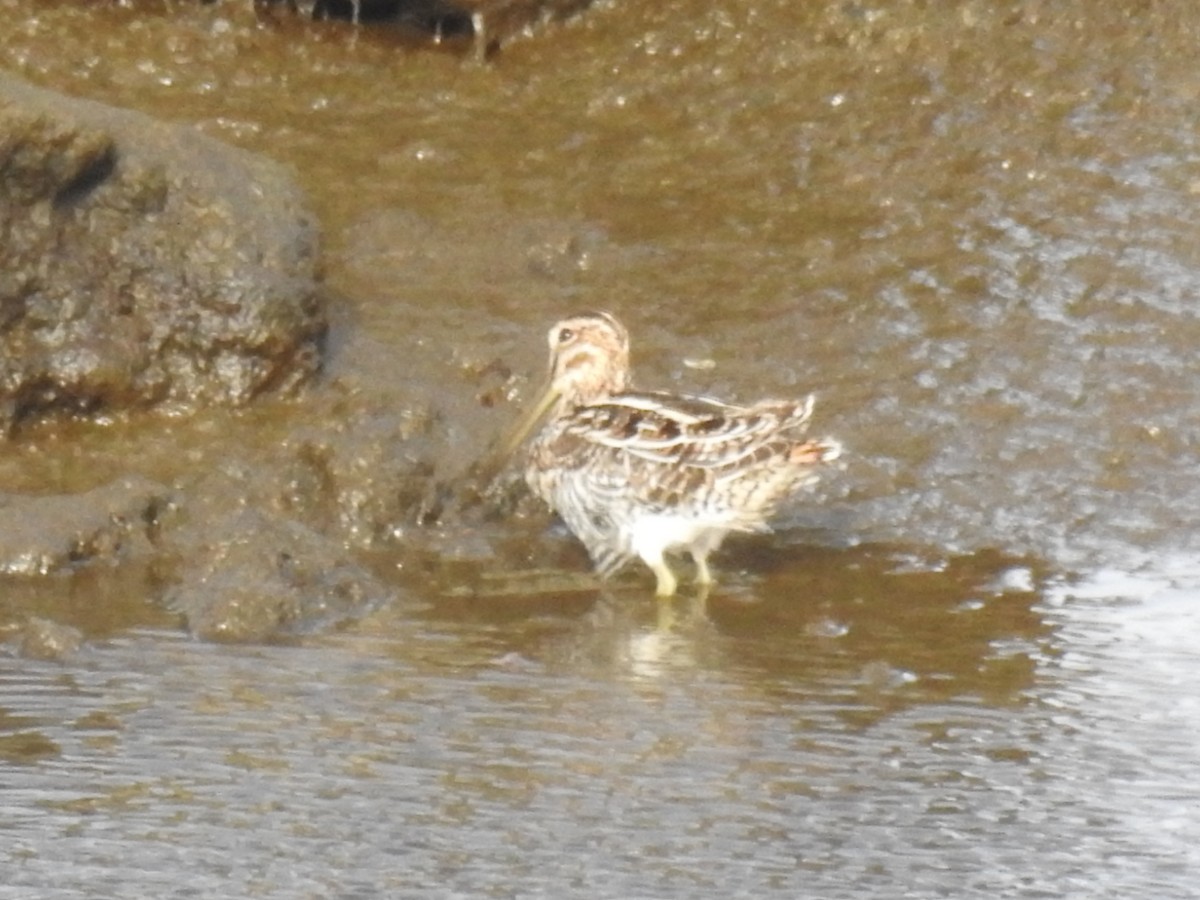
{"type": "Point", "coordinates": [44, 535]}
{"type": "Point", "coordinates": [144, 265]}
{"type": "Point", "coordinates": [46, 639]}
{"type": "Point", "coordinates": [257, 576]}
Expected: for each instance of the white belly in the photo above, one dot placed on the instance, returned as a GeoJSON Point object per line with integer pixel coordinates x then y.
{"type": "Point", "coordinates": [649, 535]}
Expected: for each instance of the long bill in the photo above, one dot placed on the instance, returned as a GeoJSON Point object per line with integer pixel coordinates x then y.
{"type": "Point", "coordinates": [501, 452]}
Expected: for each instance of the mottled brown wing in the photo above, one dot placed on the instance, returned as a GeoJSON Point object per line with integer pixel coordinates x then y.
{"type": "Point", "coordinates": [689, 431]}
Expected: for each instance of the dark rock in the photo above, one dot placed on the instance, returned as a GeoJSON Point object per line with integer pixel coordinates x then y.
{"type": "Point", "coordinates": [499, 21]}
{"type": "Point", "coordinates": [144, 265]}
{"type": "Point", "coordinates": [61, 532]}
{"type": "Point", "coordinates": [484, 25]}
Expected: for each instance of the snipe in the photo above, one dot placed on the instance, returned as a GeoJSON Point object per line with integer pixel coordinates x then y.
{"type": "Point", "coordinates": [637, 474]}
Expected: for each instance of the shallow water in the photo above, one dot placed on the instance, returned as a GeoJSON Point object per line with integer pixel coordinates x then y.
{"type": "Point", "coordinates": [963, 669]}
{"type": "Point", "coordinates": [608, 754]}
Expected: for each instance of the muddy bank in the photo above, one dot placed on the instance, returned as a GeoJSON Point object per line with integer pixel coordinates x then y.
{"type": "Point", "coordinates": [257, 525]}
{"type": "Point", "coordinates": [250, 543]}
{"type": "Point", "coordinates": [152, 270]}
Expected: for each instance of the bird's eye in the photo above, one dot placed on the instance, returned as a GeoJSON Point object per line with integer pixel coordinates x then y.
{"type": "Point", "coordinates": [565, 335]}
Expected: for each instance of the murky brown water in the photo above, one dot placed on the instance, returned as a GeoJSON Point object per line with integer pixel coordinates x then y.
{"type": "Point", "coordinates": [967, 671]}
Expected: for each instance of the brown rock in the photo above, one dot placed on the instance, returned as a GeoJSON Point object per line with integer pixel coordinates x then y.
{"type": "Point", "coordinates": [144, 265]}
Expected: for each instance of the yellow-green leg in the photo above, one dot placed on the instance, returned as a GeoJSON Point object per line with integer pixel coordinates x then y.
{"type": "Point", "coordinates": [666, 578]}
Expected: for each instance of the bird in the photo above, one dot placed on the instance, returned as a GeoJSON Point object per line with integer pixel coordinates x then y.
{"type": "Point", "coordinates": [640, 474]}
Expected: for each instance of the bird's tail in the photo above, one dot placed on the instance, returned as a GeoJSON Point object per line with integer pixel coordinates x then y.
{"type": "Point", "coordinates": [812, 453]}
